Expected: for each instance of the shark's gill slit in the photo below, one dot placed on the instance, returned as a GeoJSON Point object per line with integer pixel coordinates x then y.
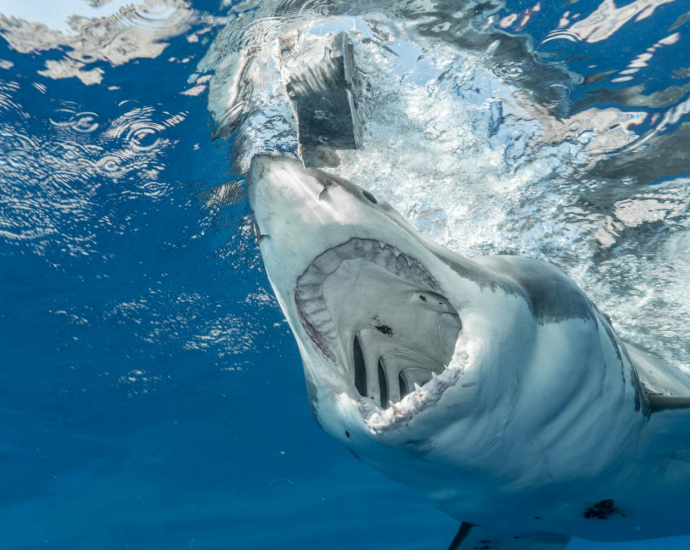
{"type": "Point", "coordinates": [403, 386]}
{"type": "Point", "coordinates": [383, 385]}
{"type": "Point", "coordinates": [360, 369]}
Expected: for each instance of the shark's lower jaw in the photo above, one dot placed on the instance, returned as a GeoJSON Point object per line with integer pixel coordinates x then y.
{"type": "Point", "coordinates": [426, 377]}
{"type": "Point", "coordinates": [381, 420]}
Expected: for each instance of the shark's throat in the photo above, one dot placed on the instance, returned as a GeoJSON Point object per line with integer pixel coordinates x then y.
{"type": "Point", "coordinates": [379, 316]}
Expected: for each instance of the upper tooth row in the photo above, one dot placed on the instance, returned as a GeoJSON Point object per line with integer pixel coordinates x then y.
{"type": "Point", "coordinates": [384, 255]}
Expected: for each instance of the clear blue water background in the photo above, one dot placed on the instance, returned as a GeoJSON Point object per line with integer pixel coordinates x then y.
{"type": "Point", "coordinates": [151, 395]}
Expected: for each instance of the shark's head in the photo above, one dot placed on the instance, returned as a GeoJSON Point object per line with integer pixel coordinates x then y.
{"type": "Point", "coordinates": [392, 329]}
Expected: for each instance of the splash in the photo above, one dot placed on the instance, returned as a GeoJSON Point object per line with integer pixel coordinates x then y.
{"type": "Point", "coordinates": [486, 144]}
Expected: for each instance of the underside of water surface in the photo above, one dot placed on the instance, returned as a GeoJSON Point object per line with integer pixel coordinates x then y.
{"type": "Point", "coordinates": [152, 394]}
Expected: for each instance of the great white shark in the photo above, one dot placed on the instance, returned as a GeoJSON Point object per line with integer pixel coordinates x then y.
{"type": "Point", "coordinates": [492, 385]}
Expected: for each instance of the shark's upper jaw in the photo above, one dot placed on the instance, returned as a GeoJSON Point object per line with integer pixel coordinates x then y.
{"type": "Point", "coordinates": [356, 283]}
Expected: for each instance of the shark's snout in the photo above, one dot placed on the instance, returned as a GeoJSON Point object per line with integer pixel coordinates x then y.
{"type": "Point", "coordinates": [280, 172]}
{"type": "Point", "coordinates": [280, 188]}
{"type": "Point", "coordinates": [294, 219]}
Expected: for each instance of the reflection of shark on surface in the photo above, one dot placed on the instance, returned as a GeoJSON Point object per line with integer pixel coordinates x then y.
{"type": "Point", "coordinates": [492, 385]}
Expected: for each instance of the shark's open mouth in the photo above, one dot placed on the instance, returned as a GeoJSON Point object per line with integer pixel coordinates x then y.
{"type": "Point", "coordinates": [309, 297]}
{"type": "Point", "coordinates": [396, 379]}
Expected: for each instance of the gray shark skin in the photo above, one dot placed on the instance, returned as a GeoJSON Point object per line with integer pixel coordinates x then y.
{"type": "Point", "coordinates": [491, 385]}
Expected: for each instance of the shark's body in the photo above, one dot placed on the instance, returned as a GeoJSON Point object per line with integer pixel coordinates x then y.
{"type": "Point", "coordinates": [492, 385]}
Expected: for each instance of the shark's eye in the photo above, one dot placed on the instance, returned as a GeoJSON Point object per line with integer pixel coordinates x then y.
{"type": "Point", "coordinates": [371, 198]}
{"type": "Point", "coordinates": [360, 369]}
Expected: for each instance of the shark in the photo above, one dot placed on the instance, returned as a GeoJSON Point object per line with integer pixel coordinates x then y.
{"type": "Point", "coordinates": [492, 385]}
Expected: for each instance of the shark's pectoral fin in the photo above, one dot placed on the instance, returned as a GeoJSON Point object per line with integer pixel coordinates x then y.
{"type": "Point", "coordinates": [668, 429]}
{"type": "Point", "coordinates": [473, 537]}
{"type": "Point", "coordinates": [665, 403]}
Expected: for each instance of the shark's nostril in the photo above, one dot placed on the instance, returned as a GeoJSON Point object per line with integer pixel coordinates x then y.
{"type": "Point", "coordinates": [257, 231]}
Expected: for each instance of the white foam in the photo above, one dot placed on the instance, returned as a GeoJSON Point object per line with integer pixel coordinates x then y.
{"type": "Point", "coordinates": [477, 166]}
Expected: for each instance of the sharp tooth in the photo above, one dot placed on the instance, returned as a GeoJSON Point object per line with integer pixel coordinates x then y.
{"type": "Point", "coordinates": [408, 259]}
{"type": "Point", "coordinates": [365, 247]}
{"type": "Point", "coordinates": [420, 276]}
{"type": "Point", "coordinates": [312, 276]}
{"type": "Point", "coordinates": [389, 255]}
{"type": "Point", "coordinates": [328, 262]}
{"type": "Point", "coordinates": [382, 245]}
{"type": "Point", "coordinates": [396, 252]}
{"type": "Point", "coordinates": [403, 268]}
{"type": "Point", "coordinates": [386, 260]}
{"type": "Point", "coordinates": [417, 387]}
{"type": "Point", "coordinates": [315, 308]}
{"type": "Point", "coordinates": [324, 325]}
{"type": "Point", "coordinates": [309, 291]}
{"type": "Point", "coordinates": [348, 251]}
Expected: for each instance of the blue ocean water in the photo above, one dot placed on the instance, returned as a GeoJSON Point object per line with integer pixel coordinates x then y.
{"type": "Point", "coordinates": [151, 393]}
